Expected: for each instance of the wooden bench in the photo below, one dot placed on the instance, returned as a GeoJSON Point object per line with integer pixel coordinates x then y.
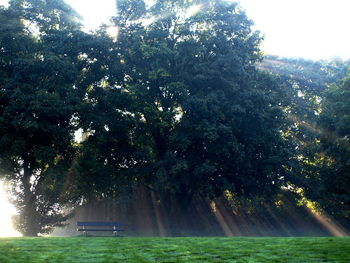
{"type": "Point", "coordinates": [113, 227]}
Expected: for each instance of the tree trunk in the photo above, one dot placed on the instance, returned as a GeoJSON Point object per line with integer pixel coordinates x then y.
{"type": "Point", "coordinates": [29, 218]}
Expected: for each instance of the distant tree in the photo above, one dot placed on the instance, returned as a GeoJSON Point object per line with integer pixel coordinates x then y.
{"type": "Point", "coordinates": [311, 76]}
{"type": "Point", "coordinates": [328, 177]}
{"type": "Point", "coordinates": [39, 95]}
{"type": "Point", "coordinates": [306, 83]}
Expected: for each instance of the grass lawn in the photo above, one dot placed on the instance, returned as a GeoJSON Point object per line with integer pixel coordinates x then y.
{"type": "Point", "coordinates": [105, 249]}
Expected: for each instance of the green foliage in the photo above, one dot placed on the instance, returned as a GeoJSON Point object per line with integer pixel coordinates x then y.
{"type": "Point", "coordinates": [242, 250]}
{"type": "Point", "coordinates": [203, 119]}
{"type": "Point", "coordinates": [38, 104]}
{"type": "Point", "coordinates": [312, 77]}
{"type": "Point", "coordinates": [305, 82]}
{"type": "Point", "coordinates": [319, 126]}
{"type": "Point", "coordinates": [330, 182]}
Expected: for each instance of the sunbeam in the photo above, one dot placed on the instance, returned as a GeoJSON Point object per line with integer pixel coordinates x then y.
{"type": "Point", "coordinates": [7, 211]}
{"type": "Point", "coordinates": [157, 212]}
{"type": "Point", "coordinates": [221, 220]}
{"type": "Point", "coordinates": [328, 223]}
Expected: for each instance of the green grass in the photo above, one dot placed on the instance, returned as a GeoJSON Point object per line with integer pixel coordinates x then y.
{"type": "Point", "coordinates": [239, 250]}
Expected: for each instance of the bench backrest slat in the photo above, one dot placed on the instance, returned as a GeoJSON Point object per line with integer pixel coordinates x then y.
{"type": "Point", "coordinates": [98, 224]}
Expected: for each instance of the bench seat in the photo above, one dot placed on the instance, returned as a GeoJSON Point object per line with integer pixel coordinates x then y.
{"type": "Point", "coordinates": [92, 226]}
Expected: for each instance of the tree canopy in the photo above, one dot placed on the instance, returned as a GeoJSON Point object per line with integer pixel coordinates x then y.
{"type": "Point", "coordinates": [39, 101]}
{"type": "Point", "coordinates": [206, 119]}
{"type": "Point", "coordinates": [330, 180]}
{"type": "Point", "coordinates": [180, 102]}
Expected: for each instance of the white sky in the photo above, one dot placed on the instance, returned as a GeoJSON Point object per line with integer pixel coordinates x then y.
{"type": "Point", "coordinates": [316, 29]}
{"type": "Point", "coordinates": [94, 12]}
{"type": "Point", "coordinates": [313, 29]}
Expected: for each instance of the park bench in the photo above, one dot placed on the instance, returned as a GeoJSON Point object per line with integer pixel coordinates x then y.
{"type": "Point", "coordinates": [113, 227]}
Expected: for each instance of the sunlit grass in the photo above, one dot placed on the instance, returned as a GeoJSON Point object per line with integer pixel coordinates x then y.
{"type": "Point", "coordinates": [240, 250]}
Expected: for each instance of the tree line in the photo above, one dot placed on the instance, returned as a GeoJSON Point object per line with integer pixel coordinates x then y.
{"type": "Point", "coordinates": [180, 101]}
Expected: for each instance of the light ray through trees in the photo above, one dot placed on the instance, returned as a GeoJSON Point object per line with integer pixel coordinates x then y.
{"type": "Point", "coordinates": [7, 211]}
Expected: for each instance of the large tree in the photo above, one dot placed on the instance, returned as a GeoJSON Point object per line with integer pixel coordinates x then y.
{"type": "Point", "coordinates": [205, 118]}
{"type": "Point", "coordinates": [39, 94]}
